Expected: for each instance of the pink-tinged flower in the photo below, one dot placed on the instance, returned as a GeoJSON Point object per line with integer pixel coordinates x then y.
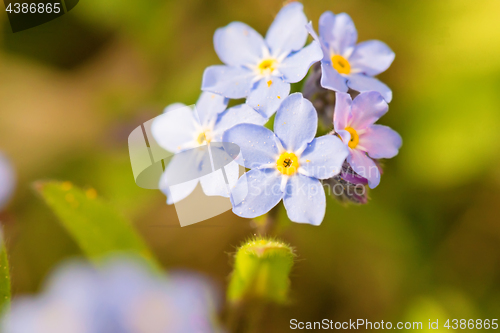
{"type": "Point", "coordinates": [354, 120]}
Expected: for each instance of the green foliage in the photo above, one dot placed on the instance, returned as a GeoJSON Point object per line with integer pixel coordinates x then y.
{"type": "Point", "coordinates": [270, 123]}
{"type": "Point", "coordinates": [4, 277]}
{"type": "Point", "coordinates": [95, 226]}
{"type": "Point", "coordinates": [261, 271]}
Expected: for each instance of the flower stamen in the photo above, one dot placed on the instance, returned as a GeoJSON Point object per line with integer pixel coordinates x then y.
{"type": "Point", "coordinates": [354, 137]}
{"type": "Point", "coordinates": [204, 137]}
{"type": "Point", "coordinates": [267, 66]}
{"type": "Point", "coordinates": [287, 163]}
{"type": "Point", "coordinates": [341, 64]}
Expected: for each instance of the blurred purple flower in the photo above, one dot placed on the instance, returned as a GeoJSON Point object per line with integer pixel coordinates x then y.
{"type": "Point", "coordinates": [7, 181]}
{"type": "Point", "coordinates": [286, 164]}
{"type": "Point", "coordinates": [347, 65]}
{"type": "Point", "coordinates": [121, 297]}
{"type": "Point", "coordinates": [354, 120]}
{"type": "Point", "coordinates": [262, 69]}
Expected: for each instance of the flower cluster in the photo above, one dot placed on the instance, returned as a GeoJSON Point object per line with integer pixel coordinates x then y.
{"type": "Point", "coordinates": [123, 296]}
{"type": "Point", "coordinates": [289, 163]}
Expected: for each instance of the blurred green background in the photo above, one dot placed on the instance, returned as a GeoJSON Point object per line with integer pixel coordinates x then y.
{"type": "Point", "coordinates": [427, 246]}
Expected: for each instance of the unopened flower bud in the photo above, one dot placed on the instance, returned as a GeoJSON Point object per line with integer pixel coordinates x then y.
{"type": "Point", "coordinates": [261, 271]}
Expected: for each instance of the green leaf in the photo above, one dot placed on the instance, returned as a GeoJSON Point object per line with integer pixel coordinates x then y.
{"type": "Point", "coordinates": [261, 271]}
{"type": "Point", "coordinates": [4, 277]}
{"type": "Point", "coordinates": [97, 228]}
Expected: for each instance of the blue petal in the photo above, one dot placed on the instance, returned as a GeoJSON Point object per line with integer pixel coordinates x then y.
{"type": "Point", "coordinates": [305, 200]}
{"type": "Point", "coordinates": [381, 141]}
{"type": "Point", "coordinates": [230, 82]}
{"type": "Point", "coordinates": [258, 144]}
{"type": "Point", "coordinates": [174, 106]}
{"type": "Point", "coordinates": [268, 95]}
{"type": "Point", "coordinates": [175, 129]}
{"type": "Point", "coordinates": [367, 108]}
{"type": "Point", "coordinates": [209, 105]}
{"type": "Point", "coordinates": [331, 79]}
{"type": "Point", "coordinates": [323, 157]}
{"type": "Point", "coordinates": [183, 173]}
{"type": "Point", "coordinates": [288, 31]}
{"type": "Point", "coordinates": [342, 114]}
{"type": "Point", "coordinates": [338, 32]}
{"type": "Point", "coordinates": [345, 136]}
{"type": "Point", "coordinates": [264, 192]}
{"type": "Point", "coordinates": [237, 44]}
{"type": "Point", "coordinates": [361, 83]}
{"type": "Point", "coordinates": [364, 166]}
{"type": "Point", "coordinates": [240, 114]}
{"type": "Point", "coordinates": [316, 38]}
{"type": "Point", "coordinates": [188, 165]}
{"type": "Point", "coordinates": [295, 67]}
{"type": "Point", "coordinates": [177, 192]}
{"type": "Point", "coordinates": [371, 57]}
{"type": "Point", "coordinates": [296, 122]}
{"type": "Point", "coordinates": [214, 184]}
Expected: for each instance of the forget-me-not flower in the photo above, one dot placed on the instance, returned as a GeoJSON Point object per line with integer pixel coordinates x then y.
{"type": "Point", "coordinates": [262, 69]}
{"type": "Point", "coordinates": [121, 297]}
{"type": "Point", "coordinates": [286, 164]}
{"type": "Point", "coordinates": [354, 120]}
{"type": "Point", "coordinates": [7, 181]}
{"type": "Point", "coordinates": [346, 64]}
{"type": "Point", "coordinates": [181, 128]}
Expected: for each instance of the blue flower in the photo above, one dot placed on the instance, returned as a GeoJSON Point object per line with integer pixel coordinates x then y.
{"type": "Point", "coordinates": [286, 164]}
{"type": "Point", "coordinates": [181, 129]}
{"type": "Point", "coordinates": [262, 69]}
{"type": "Point", "coordinates": [7, 181]}
{"type": "Point", "coordinates": [123, 296]}
{"type": "Point", "coordinates": [346, 64]}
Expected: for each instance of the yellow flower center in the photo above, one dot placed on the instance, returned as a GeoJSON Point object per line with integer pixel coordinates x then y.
{"type": "Point", "coordinates": [341, 64]}
{"type": "Point", "coordinates": [204, 137]}
{"type": "Point", "coordinates": [354, 137]}
{"type": "Point", "coordinates": [288, 163]}
{"type": "Point", "coordinates": [267, 66]}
